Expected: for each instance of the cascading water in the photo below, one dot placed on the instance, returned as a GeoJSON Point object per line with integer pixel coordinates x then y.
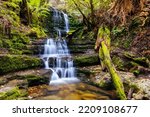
{"type": "Point", "coordinates": [56, 55]}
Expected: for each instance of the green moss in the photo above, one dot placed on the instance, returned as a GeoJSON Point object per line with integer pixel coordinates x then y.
{"type": "Point", "coordinates": [11, 94]}
{"type": "Point", "coordinates": [15, 63]}
{"type": "Point", "coordinates": [118, 62]}
{"type": "Point", "coordinates": [86, 60]}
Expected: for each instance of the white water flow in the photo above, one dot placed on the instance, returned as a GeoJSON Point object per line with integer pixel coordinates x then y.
{"type": "Point", "coordinates": [56, 54]}
{"type": "Point", "coordinates": [66, 21]}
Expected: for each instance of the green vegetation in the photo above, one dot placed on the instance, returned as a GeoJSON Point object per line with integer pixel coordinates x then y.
{"type": "Point", "coordinates": [20, 21]}
{"type": "Point", "coordinates": [12, 94]}
{"type": "Point", "coordinates": [14, 63]}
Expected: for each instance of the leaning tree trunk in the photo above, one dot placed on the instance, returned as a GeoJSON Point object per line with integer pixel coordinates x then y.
{"type": "Point", "coordinates": [103, 44]}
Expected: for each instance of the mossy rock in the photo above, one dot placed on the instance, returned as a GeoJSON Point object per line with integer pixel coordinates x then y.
{"type": "Point", "coordinates": [15, 63]}
{"type": "Point", "coordinates": [87, 60]}
{"type": "Point", "coordinates": [37, 80]}
{"type": "Point", "coordinates": [32, 80]}
{"type": "Point", "coordinates": [13, 93]}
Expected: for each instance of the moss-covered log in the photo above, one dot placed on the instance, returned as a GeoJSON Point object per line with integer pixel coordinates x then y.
{"type": "Point", "coordinates": [15, 63]}
{"type": "Point", "coordinates": [104, 54]}
{"type": "Point", "coordinates": [114, 75]}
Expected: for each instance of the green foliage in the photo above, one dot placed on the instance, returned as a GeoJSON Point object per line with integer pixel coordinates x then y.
{"type": "Point", "coordinates": [12, 6]}
{"type": "Point", "coordinates": [15, 51]}
{"type": "Point", "coordinates": [16, 1]}
{"type": "Point", "coordinates": [87, 10]}
{"type": "Point", "coordinates": [39, 10]}
{"type": "Point", "coordinates": [15, 63]}
{"type": "Point", "coordinates": [20, 38]}
{"type": "Point", "coordinates": [85, 5]}
{"type": "Point", "coordinates": [36, 32]}
{"type": "Point", "coordinates": [7, 43]}
{"type": "Point", "coordinates": [10, 12]}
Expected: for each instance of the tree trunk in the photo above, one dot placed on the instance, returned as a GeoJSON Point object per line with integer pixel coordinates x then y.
{"type": "Point", "coordinates": [104, 54]}
{"type": "Point", "coordinates": [25, 13]}
{"type": "Point", "coordinates": [92, 13]}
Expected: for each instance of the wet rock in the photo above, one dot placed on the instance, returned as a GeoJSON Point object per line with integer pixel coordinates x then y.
{"type": "Point", "coordinates": [142, 89]}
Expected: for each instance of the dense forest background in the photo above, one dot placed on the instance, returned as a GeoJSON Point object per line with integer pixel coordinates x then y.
{"type": "Point", "coordinates": [24, 24]}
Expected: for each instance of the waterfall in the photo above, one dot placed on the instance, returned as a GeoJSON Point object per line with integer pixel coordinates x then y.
{"type": "Point", "coordinates": [56, 55]}
{"type": "Point", "coordinates": [66, 22]}
{"type": "Point", "coordinates": [60, 22]}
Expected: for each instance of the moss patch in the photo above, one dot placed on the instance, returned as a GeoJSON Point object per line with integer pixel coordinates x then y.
{"type": "Point", "coordinates": [13, 93]}
{"type": "Point", "coordinates": [15, 63]}
{"type": "Point", "coordinates": [86, 60]}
